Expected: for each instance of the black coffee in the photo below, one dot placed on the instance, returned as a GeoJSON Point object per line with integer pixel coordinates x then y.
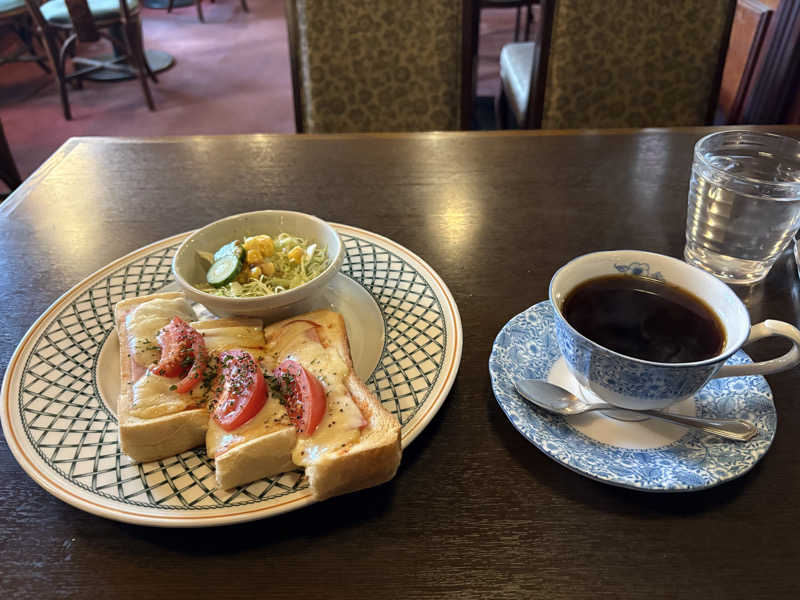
{"type": "Point", "coordinates": [645, 318]}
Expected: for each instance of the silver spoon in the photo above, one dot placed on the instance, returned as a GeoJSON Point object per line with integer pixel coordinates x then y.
{"type": "Point", "coordinates": [558, 400]}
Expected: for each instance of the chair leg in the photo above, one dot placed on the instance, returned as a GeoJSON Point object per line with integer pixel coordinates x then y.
{"type": "Point", "coordinates": [25, 33]}
{"type": "Point", "coordinates": [517, 24]}
{"type": "Point", "coordinates": [170, 5]}
{"type": "Point", "coordinates": [51, 40]}
{"type": "Point", "coordinates": [8, 170]}
{"type": "Point", "coordinates": [529, 21]}
{"type": "Point", "coordinates": [43, 65]}
{"type": "Point", "coordinates": [140, 42]}
{"type": "Point", "coordinates": [62, 89]}
{"type": "Point", "coordinates": [133, 39]}
{"type": "Point", "coordinates": [502, 109]}
{"type": "Point", "coordinates": [58, 62]}
{"type": "Point", "coordinates": [244, 6]}
{"type": "Point", "coordinates": [199, 5]}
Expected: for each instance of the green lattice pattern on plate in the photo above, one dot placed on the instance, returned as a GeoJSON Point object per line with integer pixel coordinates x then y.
{"type": "Point", "coordinates": [71, 429]}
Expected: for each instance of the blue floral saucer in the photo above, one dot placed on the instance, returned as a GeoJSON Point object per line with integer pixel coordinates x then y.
{"type": "Point", "coordinates": [643, 455]}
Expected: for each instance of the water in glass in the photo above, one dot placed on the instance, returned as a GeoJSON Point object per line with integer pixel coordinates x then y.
{"type": "Point", "coordinates": [744, 203]}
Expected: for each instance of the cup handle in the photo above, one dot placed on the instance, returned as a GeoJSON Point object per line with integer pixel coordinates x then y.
{"type": "Point", "coordinates": [765, 329]}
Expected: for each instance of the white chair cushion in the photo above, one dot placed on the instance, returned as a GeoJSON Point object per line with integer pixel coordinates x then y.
{"type": "Point", "coordinates": [516, 62]}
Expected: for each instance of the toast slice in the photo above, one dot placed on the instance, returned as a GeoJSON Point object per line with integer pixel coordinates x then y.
{"type": "Point", "coordinates": [357, 443]}
{"type": "Point", "coordinates": [261, 447]}
{"type": "Point", "coordinates": [151, 430]}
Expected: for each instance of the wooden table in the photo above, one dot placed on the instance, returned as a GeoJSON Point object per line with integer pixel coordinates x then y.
{"type": "Point", "coordinates": [475, 510]}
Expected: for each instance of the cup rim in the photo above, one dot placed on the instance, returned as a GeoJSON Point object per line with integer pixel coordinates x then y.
{"type": "Point", "coordinates": [721, 357]}
{"type": "Point", "coordinates": [762, 134]}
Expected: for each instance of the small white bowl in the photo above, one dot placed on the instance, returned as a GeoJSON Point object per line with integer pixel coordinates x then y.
{"type": "Point", "coordinates": [190, 268]}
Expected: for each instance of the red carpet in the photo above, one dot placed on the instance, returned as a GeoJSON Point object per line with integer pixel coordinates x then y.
{"type": "Point", "coordinates": [231, 75]}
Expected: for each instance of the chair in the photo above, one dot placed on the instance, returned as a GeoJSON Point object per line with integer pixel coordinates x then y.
{"type": "Point", "coordinates": [8, 170]}
{"type": "Point", "coordinates": [88, 21]}
{"type": "Point", "coordinates": [15, 18]}
{"type": "Point", "coordinates": [382, 65]}
{"type": "Point", "coordinates": [199, 5]}
{"type": "Point", "coordinates": [618, 63]}
{"type": "Point", "coordinates": [519, 5]}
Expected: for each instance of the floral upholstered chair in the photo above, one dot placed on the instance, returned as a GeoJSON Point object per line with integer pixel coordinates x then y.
{"type": "Point", "coordinates": [382, 65]}
{"type": "Point", "coordinates": [618, 63]}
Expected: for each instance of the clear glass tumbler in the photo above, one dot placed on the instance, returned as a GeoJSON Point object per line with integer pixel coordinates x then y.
{"type": "Point", "coordinates": [744, 203]}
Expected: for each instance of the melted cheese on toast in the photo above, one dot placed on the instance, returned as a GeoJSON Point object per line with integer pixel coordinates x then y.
{"type": "Point", "coordinates": [155, 396]}
{"type": "Point", "coordinates": [271, 418]}
{"type": "Point", "coordinates": [247, 335]}
{"type": "Point", "coordinates": [145, 321]}
{"type": "Point", "coordinates": [342, 422]}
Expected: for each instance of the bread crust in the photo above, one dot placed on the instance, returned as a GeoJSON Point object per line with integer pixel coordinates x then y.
{"type": "Point", "coordinates": [264, 456]}
{"type": "Point", "coordinates": [374, 459]}
{"type": "Point", "coordinates": [146, 440]}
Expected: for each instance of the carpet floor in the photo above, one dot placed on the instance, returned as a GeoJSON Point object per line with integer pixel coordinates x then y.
{"type": "Point", "coordinates": [231, 75]}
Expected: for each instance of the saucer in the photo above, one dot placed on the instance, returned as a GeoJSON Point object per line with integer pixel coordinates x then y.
{"type": "Point", "coordinates": [647, 455]}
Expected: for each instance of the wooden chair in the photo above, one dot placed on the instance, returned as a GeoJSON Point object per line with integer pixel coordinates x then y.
{"type": "Point", "coordinates": [519, 5]}
{"type": "Point", "coordinates": [382, 65]}
{"type": "Point", "coordinates": [8, 170]}
{"type": "Point", "coordinates": [14, 18]}
{"type": "Point", "coordinates": [199, 5]}
{"type": "Point", "coordinates": [617, 63]}
{"type": "Point", "coordinates": [89, 21]}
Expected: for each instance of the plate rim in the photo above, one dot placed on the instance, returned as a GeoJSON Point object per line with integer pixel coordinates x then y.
{"type": "Point", "coordinates": [118, 511]}
{"type": "Point", "coordinates": [458, 334]}
{"type": "Point", "coordinates": [615, 483]}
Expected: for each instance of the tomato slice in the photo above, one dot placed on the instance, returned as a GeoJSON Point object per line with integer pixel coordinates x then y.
{"type": "Point", "coordinates": [183, 354]}
{"type": "Point", "coordinates": [243, 392]}
{"type": "Point", "coordinates": [305, 397]}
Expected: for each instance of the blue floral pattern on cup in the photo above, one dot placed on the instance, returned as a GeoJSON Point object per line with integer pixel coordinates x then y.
{"type": "Point", "coordinates": [624, 381]}
{"type": "Point", "coordinates": [526, 347]}
{"type": "Point", "coordinates": [622, 376]}
{"type": "Point", "coordinates": [641, 269]}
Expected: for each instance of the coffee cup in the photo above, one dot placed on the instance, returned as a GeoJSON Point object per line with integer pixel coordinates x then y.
{"type": "Point", "coordinates": [636, 383]}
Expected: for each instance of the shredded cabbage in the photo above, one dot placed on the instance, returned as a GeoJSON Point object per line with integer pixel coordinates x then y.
{"type": "Point", "coordinates": [288, 273]}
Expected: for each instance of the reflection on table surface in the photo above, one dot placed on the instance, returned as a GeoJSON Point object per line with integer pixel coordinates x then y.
{"type": "Point", "coordinates": [475, 510]}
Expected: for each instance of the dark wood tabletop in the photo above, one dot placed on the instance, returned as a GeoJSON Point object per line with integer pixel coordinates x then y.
{"type": "Point", "coordinates": [475, 511]}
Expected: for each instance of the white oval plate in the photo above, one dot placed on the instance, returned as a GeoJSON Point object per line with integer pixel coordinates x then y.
{"type": "Point", "coordinates": [643, 455]}
{"type": "Point", "coordinates": [63, 433]}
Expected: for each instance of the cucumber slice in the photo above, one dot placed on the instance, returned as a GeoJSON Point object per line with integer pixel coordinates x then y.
{"type": "Point", "coordinates": [224, 270]}
{"type": "Point", "coordinates": [233, 248]}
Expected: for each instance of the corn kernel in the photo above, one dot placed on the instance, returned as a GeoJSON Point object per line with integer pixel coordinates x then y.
{"type": "Point", "coordinates": [255, 272]}
{"type": "Point", "coordinates": [266, 246]}
{"type": "Point", "coordinates": [267, 268]}
{"type": "Point", "coordinates": [250, 243]}
{"type": "Point", "coordinates": [295, 254]}
{"type": "Point", "coordinates": [254, 256]}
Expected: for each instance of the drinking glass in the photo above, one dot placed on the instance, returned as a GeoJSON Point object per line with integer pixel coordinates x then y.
{"type": "Point", "coordinates": [744, 203]}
